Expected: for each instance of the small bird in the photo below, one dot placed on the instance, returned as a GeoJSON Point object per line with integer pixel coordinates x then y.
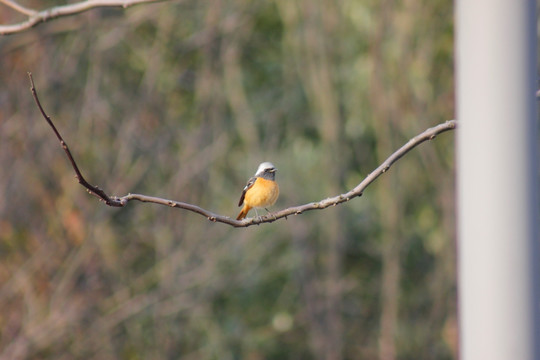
{"type": "Point", "coordinates": [260, 191]}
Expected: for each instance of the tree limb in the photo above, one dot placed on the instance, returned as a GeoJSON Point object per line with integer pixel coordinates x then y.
{"type": "Point", "coordinates": [122, 201]}
{"type": "Point", "coordinates": [37, 17]}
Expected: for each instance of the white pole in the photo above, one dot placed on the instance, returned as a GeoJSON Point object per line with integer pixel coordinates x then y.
{"type": "Point", "coordinates": [497, 179]}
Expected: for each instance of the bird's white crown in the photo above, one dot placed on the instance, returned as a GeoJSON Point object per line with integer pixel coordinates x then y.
{"type": "Point", "coordinates": [264, 166]}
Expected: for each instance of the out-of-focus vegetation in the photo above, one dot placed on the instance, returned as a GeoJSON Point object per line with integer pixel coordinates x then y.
{"type": "Point", "coordinates": [183, 100]}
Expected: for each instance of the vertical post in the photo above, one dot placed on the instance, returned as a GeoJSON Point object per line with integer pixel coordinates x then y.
{"type": "Point", "coordinates": [497, 179]}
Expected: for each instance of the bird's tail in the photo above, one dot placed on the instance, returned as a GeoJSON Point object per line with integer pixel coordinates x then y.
{"type": "Point", "coordinates": [243, 213]}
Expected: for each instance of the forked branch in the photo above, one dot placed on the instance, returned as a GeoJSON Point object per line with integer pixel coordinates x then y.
{"type": "Point", "coordinates": [122, 201]}
{"type": "Point", "coordinates": [35, 17]}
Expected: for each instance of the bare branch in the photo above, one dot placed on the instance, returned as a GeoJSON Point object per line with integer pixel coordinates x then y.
{"type": "Point", "coordinates": [37, 17]}
{"type": "Point", "coordinates": [15, 6]}
{"type": "Point", "coordinates": [94, 190]}
{"type": "Point", "coordinates": [122, 201]}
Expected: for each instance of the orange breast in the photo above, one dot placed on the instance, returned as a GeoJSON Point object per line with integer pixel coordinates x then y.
{"type": "Point", "coordinates": [262, 194]}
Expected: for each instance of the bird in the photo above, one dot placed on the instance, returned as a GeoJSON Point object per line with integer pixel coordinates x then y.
{"type": "Point", "coordinates": [260, 191]}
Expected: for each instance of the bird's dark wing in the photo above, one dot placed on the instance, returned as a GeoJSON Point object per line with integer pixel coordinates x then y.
{"type": "Point", "coordinates": [248, 185]}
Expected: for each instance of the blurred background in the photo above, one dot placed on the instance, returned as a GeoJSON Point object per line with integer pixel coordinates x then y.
{"type": "Point", "coordinates": [183, 100]}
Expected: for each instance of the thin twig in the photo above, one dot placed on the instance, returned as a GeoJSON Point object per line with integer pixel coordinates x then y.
{"type": "Point", "coordinates": [19, 8]}
{"type": "Point", "coordinates": [94, 190]}
{"type": "Point", "coordinates": [428, 134]}
{"type": "Point", "coordinates": [37, 17]}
